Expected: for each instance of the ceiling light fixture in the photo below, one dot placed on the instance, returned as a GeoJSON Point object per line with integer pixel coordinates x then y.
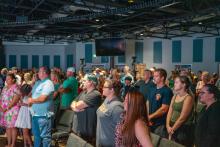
{"type": "Point", "coordinates": [130, 1]}
{"type": "Point", "coordinates": [97, 20]}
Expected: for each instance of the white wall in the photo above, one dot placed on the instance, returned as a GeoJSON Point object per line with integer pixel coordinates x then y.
{"type": "Point", "coordinates": [78, 50]}
{"type": "Point", "coordinates": [39, 49]}
{"type": "Point", "coordinates": [208, 63]}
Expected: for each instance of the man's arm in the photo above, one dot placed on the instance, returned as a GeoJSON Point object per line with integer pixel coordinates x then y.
{"type": "Point", "coordinates": [160, 112]}
{"type": "Point", "coordinates": [80, 105]}
{"type": "Point", "coordinates": [65, 90]}
{"type": "Point", "coordinates": [40, 99]}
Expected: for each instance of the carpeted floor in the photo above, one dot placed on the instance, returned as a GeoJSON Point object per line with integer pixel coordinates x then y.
{"type": "Point", "coordinates": [3, 141]}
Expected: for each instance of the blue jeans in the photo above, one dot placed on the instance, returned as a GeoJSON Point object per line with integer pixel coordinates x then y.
{"type": "Point", "coordinates": [41, 128]}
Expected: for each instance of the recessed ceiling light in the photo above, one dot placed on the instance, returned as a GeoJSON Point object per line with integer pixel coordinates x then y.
{"type": "Point", "coordinates": [97, 20]}
{"type": "Point", "coordinates": [200, 23]}
{"type": "Point", "coordinates": [141, 34]}
{"type": "Point", "coordinates": [130, 1]}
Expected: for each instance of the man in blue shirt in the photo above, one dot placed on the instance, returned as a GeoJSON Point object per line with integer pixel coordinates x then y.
{"type": "Point", "coordinates": [41, 103]}
{"type": "Point", "coordinates": [148, 84]}
{"type": "Point", "coordinates": [159, 100]}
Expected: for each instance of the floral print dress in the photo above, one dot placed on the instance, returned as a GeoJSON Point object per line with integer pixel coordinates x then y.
{"type": "Point", "coordinates": [118, 135]}
{"type": "Point", "coordinates": [9, 117]}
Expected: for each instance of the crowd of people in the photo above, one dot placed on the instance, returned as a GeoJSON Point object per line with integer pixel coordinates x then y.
{"type": "Point", "coordinates": [111, 108]}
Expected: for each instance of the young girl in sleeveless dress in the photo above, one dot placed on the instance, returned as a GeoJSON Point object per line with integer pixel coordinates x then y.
{"type": "Point", "coordinates": [24, 116]}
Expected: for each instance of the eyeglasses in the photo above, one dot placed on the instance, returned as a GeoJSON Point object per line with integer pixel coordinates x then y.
{"type": "Point", "coordinates": [202, 92]}
{"type": "Point", "coordinates": [106, 87]}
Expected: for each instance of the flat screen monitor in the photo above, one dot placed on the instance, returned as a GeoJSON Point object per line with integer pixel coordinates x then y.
{"type": "Point", "coordinates": [110, 47]}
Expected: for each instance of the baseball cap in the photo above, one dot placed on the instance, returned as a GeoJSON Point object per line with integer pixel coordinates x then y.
{"type": "Point", "coordinates": [14, 68]}
{"type": "Point", "coordinates": [91, 77]}
{"type": "Point", "coordinates": [71, 69]}
{"type": "Point", "coordinates": [128, 78]}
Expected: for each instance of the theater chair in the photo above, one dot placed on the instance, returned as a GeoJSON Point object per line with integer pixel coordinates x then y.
{"type": "Point", "coordinates": [163, 142]}
{"type": "Point", "coordinates": [64, 126]}
{"type": "Point", "coordinates": [155, 139]}
{"type": "Point", "coordinates": [76, 141]}
{"type": "Point", "coordinates": [168, 143]}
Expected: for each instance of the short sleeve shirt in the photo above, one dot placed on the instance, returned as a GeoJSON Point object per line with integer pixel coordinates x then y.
{"type": "Point", "coordinates": [84, 122]}
{"type": "Point", "coordinates": [108, 116]}
{"type": "Point", "coordinates": [67, 98]}
{"type": "Point", "coordinates": [145, 89]}
{"type": "Point", "coordinates": [44, 87]}
{"type": "Point", "coordinates": [157, 97]}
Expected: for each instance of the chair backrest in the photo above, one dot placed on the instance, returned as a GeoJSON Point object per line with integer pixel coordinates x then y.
{"type": "Point", "coordinates": [155, 139]}
{"type": "Point", "coordinates": [88, 145]}
{"type": "Point", "coordinates": [76, 141]}
{"type": "Point", "coordinates": [168, 143]}
{"type": "Point", "coordinates": [65, 121]}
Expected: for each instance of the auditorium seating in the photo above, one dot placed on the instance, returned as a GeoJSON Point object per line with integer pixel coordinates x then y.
{"type": "Point", "coordinates": [163, 142]}
{"type": "Point", "coordinates": [155, 139]}
{"type": "Point", "coordinates": [167, 143]}
{"type": "Point", "coordinates": [64, 126]}
{"type": "Point", "coordinates": [76, 141]}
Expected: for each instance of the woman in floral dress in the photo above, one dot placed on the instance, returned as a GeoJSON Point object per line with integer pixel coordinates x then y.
{"type": "Point", "coordinates": [9, 106]}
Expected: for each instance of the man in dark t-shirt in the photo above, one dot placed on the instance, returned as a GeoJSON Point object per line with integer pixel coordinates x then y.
{"type": "Point", "coordinates": [159, 100]}
{"type": "Point", "coordinates": [85, 107]}
{"type": "Point", "coordinates": [147, 85]}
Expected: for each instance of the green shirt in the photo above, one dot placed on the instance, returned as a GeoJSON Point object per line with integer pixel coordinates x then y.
{"type": "Point", "coordinates": [177, 109]}
{"type": "Point", "coordinates": [68, 97]}
{"type": "Point", "coordinates": [57, 99]}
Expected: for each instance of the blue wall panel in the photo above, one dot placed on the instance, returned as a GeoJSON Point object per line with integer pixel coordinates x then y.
{"type": "Point", "coordinates": [46, 61]}
{"type": "Point", "coordinates": [139, 51]}
{"type": "Point", "coordinates": [24, 62]}
{"type": "Point", "coordinates": [56, 61]}
{"type": "Point", "coordinates": [88, 53]}
{"type": "Point", "coordinates": [157, 52]}
{"type": "Point", "coordinates": [121, 59]}
{"type": "Point", "coordinates": [197, 50]}
{"type": "Point", "coordinates": [35, 61]}
{"type": "Point", "coordinates": [104, 59]}
{"type": "Point", "coordinates": [217, 50]}
{"type": "Point", "coordinates": [12, 61]}
{"type": "Point", "coordinates": [69, 61]}
{"type": "Point", "coordinates": [176, 51]}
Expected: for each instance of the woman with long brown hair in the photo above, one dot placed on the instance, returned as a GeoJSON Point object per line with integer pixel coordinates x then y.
{"type": "Point", "coordinates": [132, 131]}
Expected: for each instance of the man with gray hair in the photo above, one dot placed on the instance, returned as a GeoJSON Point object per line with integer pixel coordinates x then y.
{"type": "Point", "coordinates": [84, 107]}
